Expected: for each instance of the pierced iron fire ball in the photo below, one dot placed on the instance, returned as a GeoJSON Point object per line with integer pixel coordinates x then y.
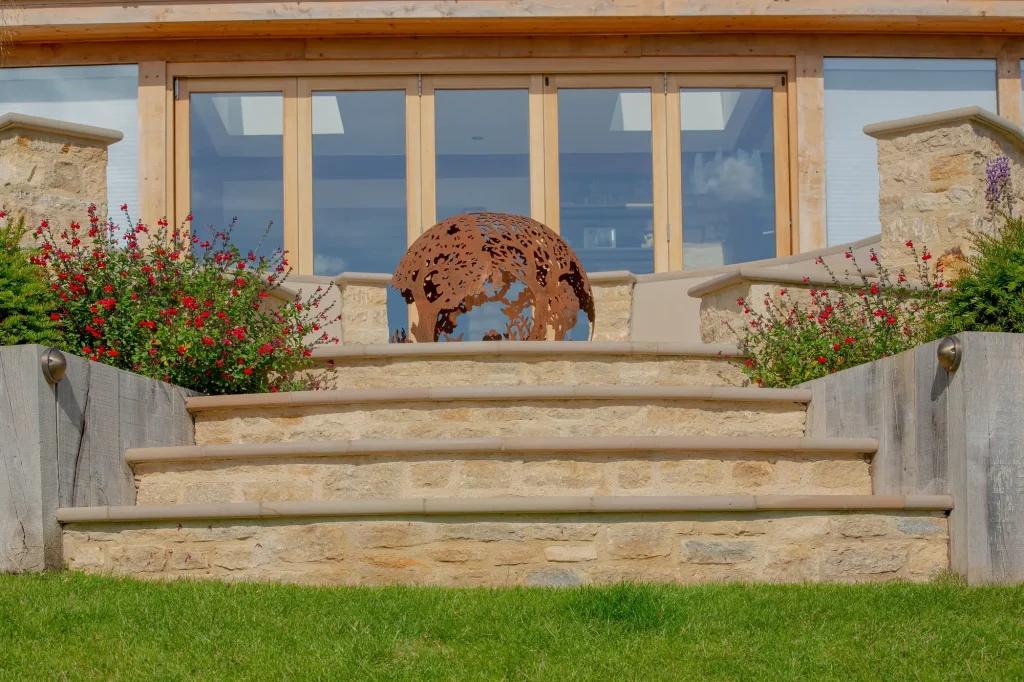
{"type": "Point", "coordinates": [471, 259]}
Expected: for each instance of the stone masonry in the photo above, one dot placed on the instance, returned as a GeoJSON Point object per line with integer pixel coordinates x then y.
{"type": "Point", "coordinates": [500, 418]}
{"type": "Point", "coordinates": [932, 183]}
{"type": "Point", "coordinates": [447, 476]}
{"type": "Point", "coordinates": [561, 550]}
{"type": "Point", "coordinates": [534, 370]}
{"type": "Point", "coordinates": [52, 170]}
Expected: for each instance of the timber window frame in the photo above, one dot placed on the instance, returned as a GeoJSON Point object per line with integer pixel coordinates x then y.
{"type": "Point", "coordinates": [661, 75]}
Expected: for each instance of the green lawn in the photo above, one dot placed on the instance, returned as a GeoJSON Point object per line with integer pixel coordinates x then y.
{"type": "Point", "coordinates": [69, 626]}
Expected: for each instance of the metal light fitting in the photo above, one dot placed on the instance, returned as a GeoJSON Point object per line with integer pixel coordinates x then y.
{"type": "Point", "coordinates": [950, 352]}
{"type": "Point", "coordinates": [54, 365]}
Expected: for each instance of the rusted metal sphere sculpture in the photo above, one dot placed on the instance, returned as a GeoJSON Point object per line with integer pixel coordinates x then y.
{"type": "Point", "coordinates": [475, 258]}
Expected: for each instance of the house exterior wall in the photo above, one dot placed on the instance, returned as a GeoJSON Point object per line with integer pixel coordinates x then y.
{"type": "Point", "coordinates": [352, 39]}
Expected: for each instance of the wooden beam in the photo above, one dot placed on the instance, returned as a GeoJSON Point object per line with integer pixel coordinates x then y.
{"type": "Point", "coordinates": [507, 47]}
{"type": "Point", "coordinates": [810, 161]}
{"type": "Point", "coordinates": [152, 142]}
{"type": "Point", "coordinates": [1009, 91]}
{"type": "Point", "coordinates": [50, 20]}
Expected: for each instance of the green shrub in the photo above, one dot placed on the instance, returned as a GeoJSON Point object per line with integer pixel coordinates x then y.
{"type": "Point", "coordinates": [25, 300]}
{"type": "Point", "coordinates": [790, 343]}
{"type": "Point", "coordinates": [190, 312]}
{"type": "Point", "coordinates": [988, 296]}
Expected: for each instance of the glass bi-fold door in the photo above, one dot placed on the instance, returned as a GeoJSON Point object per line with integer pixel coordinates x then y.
{"type": "Point", "coordinates": [728, 169]}
{"type": "Point", "coordinates": [639, 172]}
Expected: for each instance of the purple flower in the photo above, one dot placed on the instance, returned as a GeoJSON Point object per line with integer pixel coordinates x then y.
{"type": "Point", "coordinates": [997, 172]}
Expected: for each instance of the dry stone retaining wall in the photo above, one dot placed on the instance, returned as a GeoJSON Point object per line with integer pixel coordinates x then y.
{"type": "Point", "coordinates": [528, 550]}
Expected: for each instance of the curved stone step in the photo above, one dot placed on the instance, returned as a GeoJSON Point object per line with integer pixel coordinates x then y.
{"type": "Point", "coordinates": [469, 411]}
{"type": "Point", "coordinates": [511, 363]}
{"type": "Point", "coordinates": [497, 467]}
{"type": "Point", "coordinates": [427, 506]}
{"type": "Point", "coordinates": [521, 541]}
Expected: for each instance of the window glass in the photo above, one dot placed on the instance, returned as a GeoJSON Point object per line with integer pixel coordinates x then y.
{"type": "Point", "coordinates": [728, 176]}
{"type": "Point", "coordinates": [605, 178]}
{"type": "Point", "coordinates": [359, 191]}
{"type": "Point", "coordinates": [359, 186]}
{"type": "Point", "coordinates": [104, 96]}
{"type": "Point", "coordinates": [483, 151]}
{"type": "Point", "coordinates": [236, 167]}
{"type": "Point", "coordinates": [863, 91]}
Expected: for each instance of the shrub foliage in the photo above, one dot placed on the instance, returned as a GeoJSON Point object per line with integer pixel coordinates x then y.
{"type": "Point", "coordinates": [24, 304]}
{"type": "Point", "coordinates": [790, 342]}
{"type": "Point", "coordinates": [170, 306]}
{"type": "Point", "coordinates": [988, 296]}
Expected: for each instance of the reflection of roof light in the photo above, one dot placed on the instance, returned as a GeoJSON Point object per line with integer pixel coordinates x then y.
{"type": "Point", "coordinates": [699, 110]}
{"type": "Point", "coordinates": [327, 116]}
{"type": "Point", "coordinates": [258, 114]}
{"type": "Point", "coordinates": [250, 114]}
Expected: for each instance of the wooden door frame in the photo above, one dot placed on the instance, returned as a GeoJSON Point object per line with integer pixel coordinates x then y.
{"type": "Point", "coordinates": [413, 179]}
{"type": "Point", "coordinates": [655, 82]}
{"type": "Point", "coordinates": [532, 83]}
{"type": "Point", "coordinates": [784, 230]}
{"type": "Point", "coordinates": [182, 148]}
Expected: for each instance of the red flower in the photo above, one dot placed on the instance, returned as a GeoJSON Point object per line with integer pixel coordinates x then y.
{"type": "Point", "coordinates": [891, 320]}
{"type": "Point", "coordinates": [926, 256]}
{"type": "Point", "coordinates": [822, 360]}
{"type": "Point", "coordinates": [54, 316]}
{"type": "Point", "coordinates": [181, 349]}
{"type": "Point", "coordinates": [874, 258]}
{"type": "Point", "coordinates": [849, 254]}
{"type": "Point", "coordinates": [910, 244]}
{"type": "Point", "coordinates": [835, 346]}
{"type": "Point", "coordinates": [849, 339]}
{"type": "Point", "coordinates": [207, 340]}
{"type": "Point", "coordinates": [112, 353]}
{"type": "Point", "coordinates": [124, 207]}
{"type": "Point", "coordinates": [247, 370]}
{"type": "Point", "coordinates": [108, 288]}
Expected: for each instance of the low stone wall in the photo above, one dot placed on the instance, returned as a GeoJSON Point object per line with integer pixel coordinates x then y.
{"type": "Point", "coordinates": [501, 475]}
{"type": "Point", "coordinates": [941, 432]}
{"type": "Point", "coordinates": [527, 550]}
{"type": "Point", "coordinates": [613, 305]}
{"type": "Point", "coordinates": [364, 307]}
{"type": "Point", "coordinates": [52, 170]}
{"type": "Point", "coordinates": [64, 445]}
{"type": "Point", "coordinates": [932, 182]}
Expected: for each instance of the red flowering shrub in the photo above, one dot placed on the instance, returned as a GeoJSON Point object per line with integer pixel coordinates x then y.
{"type": "Point", "coordinates": [843, 326]}
{"type": "Point", "coordinates": [172, 307]}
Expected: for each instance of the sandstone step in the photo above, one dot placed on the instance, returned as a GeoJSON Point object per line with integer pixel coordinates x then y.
{"type": "Point", "coordinates": [497, 467]}
{"type": "Point", "coordinates": [472, 411]}
{"type": "Point", "coordinates": [514, 363]}
{"type": "Point", "coordinates": [520, 541]}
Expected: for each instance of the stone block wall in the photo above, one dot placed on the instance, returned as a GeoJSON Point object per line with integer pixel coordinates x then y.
{"type": "Point", "coordinates": [527, 550]}
{"type": "Point", "coordinates": [52, 170]}
{"type": "Point", "coordinates": [364, 307]}
{"type": "Point", "coordinates": [932, 183]}
{"type": "Point", "coordinates": [613, 305]}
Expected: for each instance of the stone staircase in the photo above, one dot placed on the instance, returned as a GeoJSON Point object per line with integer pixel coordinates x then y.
{"type": "Point", "coordinates": [500, 463]}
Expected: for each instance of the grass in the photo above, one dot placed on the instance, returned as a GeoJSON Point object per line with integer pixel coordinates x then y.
{"type": "Point", "coordinates": [68, 626]}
